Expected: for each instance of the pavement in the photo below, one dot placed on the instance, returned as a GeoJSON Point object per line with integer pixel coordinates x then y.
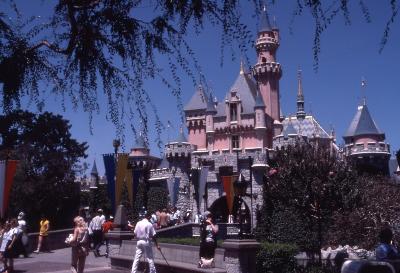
{"type": "Point", "coordinates": [59, 261]}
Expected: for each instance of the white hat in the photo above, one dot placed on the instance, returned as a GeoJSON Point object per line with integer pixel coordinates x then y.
{"type": "Point", "coordinates": [21, 215]}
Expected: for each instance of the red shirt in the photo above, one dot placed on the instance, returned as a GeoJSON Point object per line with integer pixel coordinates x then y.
{"type": "Point", "coordinates": [107, 226]}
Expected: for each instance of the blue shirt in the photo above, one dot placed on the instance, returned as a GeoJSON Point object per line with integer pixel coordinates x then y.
{"type": "Point", "coordinates": [386, 252]}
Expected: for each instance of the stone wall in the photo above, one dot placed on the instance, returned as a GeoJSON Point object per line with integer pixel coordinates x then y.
{"type": "Point", "coordinates": [55, 239]}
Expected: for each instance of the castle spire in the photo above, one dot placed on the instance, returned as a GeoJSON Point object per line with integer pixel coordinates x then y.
{"type": "Point", "coordinates": [264, 24]}
{"type": "Point", "coordinates": [241, 67]}
{"type": "Point", "coordinates": [301, 114]}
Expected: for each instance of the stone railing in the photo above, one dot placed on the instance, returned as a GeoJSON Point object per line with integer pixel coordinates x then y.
{"type": "Point", "coordinates": [55, 239]}
{"type": "Point", "coordinates": [370, 148]}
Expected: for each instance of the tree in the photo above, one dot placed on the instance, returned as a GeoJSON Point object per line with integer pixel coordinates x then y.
{"type": "Point", "coordinates": [309, 184]}
{"type": "Point", "coordinates": [378, 208]}
{"type": "Point", "coordinates": [85, 45]}
{"type": "Point", "coordinates": [44, 182]}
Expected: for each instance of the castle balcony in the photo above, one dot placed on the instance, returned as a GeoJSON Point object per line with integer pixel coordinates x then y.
{"type": "Point", "coordinates": [160, 174]}
{"type": "Point", "coordinates": [267, 67]}
{"type": "Point", "coordinates": [368, 148]}
{"type": "Point", "coordinates": [262, 41]}
{"type": "Point", "coordinates": [178, 150]}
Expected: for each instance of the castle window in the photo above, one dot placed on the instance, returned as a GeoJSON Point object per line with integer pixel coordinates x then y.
{"type": "Point", "coordinates": [235, 142]}
{"type": "Point", "coordinates": [263, 59]}
{"type": "Point", "coordinates": [233, 112]}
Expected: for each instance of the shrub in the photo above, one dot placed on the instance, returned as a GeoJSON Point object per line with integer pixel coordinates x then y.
{"type": "Point", "coordinates": [276, 258]}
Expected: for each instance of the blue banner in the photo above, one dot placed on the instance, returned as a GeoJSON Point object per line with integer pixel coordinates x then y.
{"type": "Point", "coordinates": [109, 165]}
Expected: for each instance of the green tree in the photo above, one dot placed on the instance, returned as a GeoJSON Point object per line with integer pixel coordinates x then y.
{"type": "Point", "coordinates": [85, 44]}
{"type": "Point", "coordinates": [157, 199]}
{"type": "Point", "coordinates": [44, 182]}
{"type": "Point", "coordinates": [309, 184]}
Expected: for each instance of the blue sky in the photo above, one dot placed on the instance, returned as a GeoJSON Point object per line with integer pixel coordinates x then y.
{"type": "Point", "coordinates": [348, 53]}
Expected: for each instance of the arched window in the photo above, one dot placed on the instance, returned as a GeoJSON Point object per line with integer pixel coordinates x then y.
{"type": "Point", "coordinates": [263, 59]}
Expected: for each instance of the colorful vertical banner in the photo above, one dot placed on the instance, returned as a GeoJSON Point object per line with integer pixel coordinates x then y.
{"type": "Point", "coordinates": [135, 182]}
{"type": "Point", "coordinates": [2, 183]}
{"type": "Point", "coordinates": [227, 182]}
{"type": "Point", "coordinates": [8, 176]}
{"type": "Point", "coordinates": [109, 166]}
{"type": "Point", "coordinates": [124, 176]}
{"type": "Point", "coordinates": [173, 188]}
{"type": "Point", "coordinates": [195, 174]}
{"type": "Point", "coordinates": [202, 182]}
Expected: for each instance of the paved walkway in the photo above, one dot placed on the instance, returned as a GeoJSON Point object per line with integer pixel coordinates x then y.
{"type": "Point", "coordinates": [59, 261]}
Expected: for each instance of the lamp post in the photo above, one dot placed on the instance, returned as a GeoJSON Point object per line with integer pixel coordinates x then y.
{"type": "Point", "coordinates": [240, 187]}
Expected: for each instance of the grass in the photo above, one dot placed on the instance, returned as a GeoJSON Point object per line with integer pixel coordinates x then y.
{"type": "Point", "coordinates": [191, 241]}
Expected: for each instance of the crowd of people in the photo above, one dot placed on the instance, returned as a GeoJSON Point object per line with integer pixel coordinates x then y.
{"type": "Point", "coordinates": [13, 241]}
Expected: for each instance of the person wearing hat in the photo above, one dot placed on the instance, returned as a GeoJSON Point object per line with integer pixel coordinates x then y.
{"type": "Point", "coordinates": [107, 226]}
{"type": "Point", "coordinates": [96, 226]}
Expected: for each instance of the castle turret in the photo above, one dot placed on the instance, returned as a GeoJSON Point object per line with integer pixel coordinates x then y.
{"type": "Point", "coordinates": [210, 112]}
{"type": "Point", "coordinates": [259, 110]}
{"type": "Point", "coordinates": [267, 71]}
{"type": "Point", "coordinates": [94, 176]}
{"type": "Point", "coordinates": [301, 114]}
{"type": "Point", "coordinates": [365, 144]}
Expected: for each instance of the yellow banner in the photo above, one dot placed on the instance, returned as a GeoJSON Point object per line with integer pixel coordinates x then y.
{"type": "Point", "coordinates": [124, 176]}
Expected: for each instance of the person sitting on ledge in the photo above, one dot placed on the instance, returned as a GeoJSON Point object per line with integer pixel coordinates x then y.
{"type": "Point", "coordinates": [386, 250]}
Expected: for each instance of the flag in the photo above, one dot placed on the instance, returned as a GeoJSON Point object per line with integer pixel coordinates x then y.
{"type": "Point", "coordinates": [227, 182]}
{"type": "Point", "coordinates": [135, 182]}
{"type": "Point", "coordinates": [123, 176]}
{"type": "Point", "coordinates": [2, 183]}
{"type": "Point", "coordinates": [10, 169]}
{"type": "Point", "coordinates": [173, 188]}
{"type": "Point", "coordinates": [363, 82]}
{"type": "Point", "coordinates": [109, 166]}
{"type": "Point", "coordinates": [202, 183]}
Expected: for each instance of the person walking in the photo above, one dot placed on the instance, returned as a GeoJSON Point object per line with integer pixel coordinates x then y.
{"type": "Point", "coordinates": [80, 247]}
{"type": "Point", "coordinates": [145, 232]}
{"type": "Point", "coordinates": [24, 239]}
{"type": "Point", "coordinates": [6, 247]}
{"type": "Point", "coordinates": [107, 226]}
{"type": "Point", "coordinates": [43, 234]}
{"type": "Point", "coordinates": [96, 227]}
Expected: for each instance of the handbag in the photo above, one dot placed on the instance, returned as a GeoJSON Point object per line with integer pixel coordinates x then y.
{"type": "Point", "coordinates": [69, 240]}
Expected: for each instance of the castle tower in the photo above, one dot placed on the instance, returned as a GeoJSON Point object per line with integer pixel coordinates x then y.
{"type": "Point", "coordinates": [210, 112]}
{"type": "Point", "coordinates": [365, 144]}
{"type": "Point", "coordinates": [267, 71]}
{"type": "Point", "coordinates": [178, 154]}
{"type": "Point", "coordinates": [94, 176]}
{"type": "Point", "coordinates": [301, 114]}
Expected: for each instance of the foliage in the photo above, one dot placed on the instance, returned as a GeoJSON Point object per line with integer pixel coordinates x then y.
{"type": "Point", "coordinates": [378, 208]}
{"type": "Point", "coordinates": [276, 258]}
{"type": "Point", "coordinates": [139, 201]}
{"type": "Point", "coordinates": [44, 182]}
{"type": "Point", "coordinates": [126, 202]}
{"type": "Point", "coordinates": [112, 45]}
{"type": "Point", "coordinates": [308, 185]}
{"type": "Point", "coordinates": [96, 198]}
{"type": "Point", "coordinates": [157, 198]}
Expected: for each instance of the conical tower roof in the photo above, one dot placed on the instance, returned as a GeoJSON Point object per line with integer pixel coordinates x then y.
{"type": "Point", "coordinates": [362, 124]}
{"type": "Point", "coordinates": [181, 138]}
{"type": "Point", "coordinates": [210, 105]}
{"type": "Point", "coordinates": [140, 142]}
{"type": "Point", "coordinates": [264, 24]}
{"type": "Point", "coordinates": [94, 169]}
{"type": "Point", "coordinates": [198, 100]}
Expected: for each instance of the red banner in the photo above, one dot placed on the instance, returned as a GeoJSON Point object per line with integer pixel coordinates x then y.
{"type": "Point", "coordinates": [227, 182]}
{"type": "Point", "coordinates": [10, 173]}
